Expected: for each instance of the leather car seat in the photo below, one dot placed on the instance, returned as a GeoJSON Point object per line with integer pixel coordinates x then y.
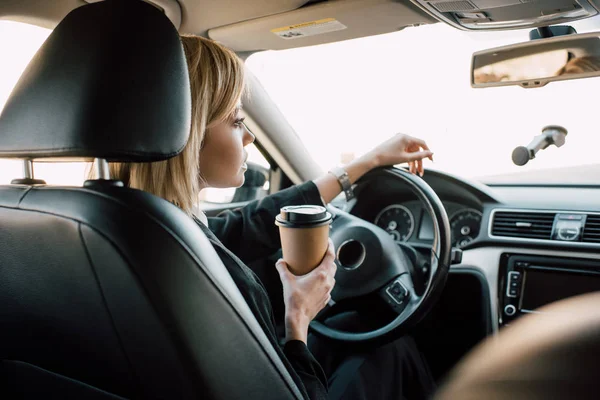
{"type": "Point", "coordinates": [105, 291]}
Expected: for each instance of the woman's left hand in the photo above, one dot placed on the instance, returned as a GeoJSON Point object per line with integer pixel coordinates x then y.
{"type": "Point", "coordinates": [399, 149]}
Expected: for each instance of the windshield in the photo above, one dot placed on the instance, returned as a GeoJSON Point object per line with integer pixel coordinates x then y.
{"type": "Point", "coordinates": [344, 98]}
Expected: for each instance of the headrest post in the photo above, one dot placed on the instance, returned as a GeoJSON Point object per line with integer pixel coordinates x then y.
{"type": "Point", "coordinates": [27, 169]}
{"type": "Point", "coordinates": [102, 171]}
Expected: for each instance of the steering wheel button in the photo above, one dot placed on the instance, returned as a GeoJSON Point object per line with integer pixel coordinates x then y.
{"type": "Point", "coordinates": [398, 298]}
{"type": "Point", "coordinates": [397, 292]}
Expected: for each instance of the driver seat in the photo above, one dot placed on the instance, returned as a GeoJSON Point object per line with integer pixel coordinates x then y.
{"type": "Point", "coordinates": [108, 292]}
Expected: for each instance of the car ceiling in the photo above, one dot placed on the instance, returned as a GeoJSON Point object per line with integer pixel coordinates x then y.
{"type": "Point", "coordinates": [247, 25]}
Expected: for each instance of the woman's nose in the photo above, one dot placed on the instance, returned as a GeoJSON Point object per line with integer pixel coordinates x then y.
{"type": "Point", "coordinates": [248, 136]}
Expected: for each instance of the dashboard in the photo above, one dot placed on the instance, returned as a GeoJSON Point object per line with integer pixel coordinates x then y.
{"type": "Point", "coordinates": [408, 221]}
{"type": "Point", "coordinates": [394, 208]}
{"type": "Point", "coordinates": [522, 242]}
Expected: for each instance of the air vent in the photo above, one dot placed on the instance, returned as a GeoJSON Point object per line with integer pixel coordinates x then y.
{"type": "Point", "coordinates": [591, 231]}
{"type": "Point", "coordinates": [530, 225]}
{"type": "Point", "coordinates": [453, 6]}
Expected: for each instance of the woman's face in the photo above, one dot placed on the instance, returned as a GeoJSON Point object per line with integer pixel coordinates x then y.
{"type": "Point", "coordinates": [223, 157]}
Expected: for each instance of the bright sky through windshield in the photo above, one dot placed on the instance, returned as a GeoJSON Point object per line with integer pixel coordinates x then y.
{"type": "Point", "coordinates": [347, 97]}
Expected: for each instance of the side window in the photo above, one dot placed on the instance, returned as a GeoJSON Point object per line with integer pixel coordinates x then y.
{"type": "Point", "coordinates": [16, 54]}
{"type": "Point", "coordinates": [255, 186]}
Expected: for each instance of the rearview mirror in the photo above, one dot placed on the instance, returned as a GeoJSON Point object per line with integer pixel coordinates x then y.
{"type": "Point", "coordinates": [538, 62]}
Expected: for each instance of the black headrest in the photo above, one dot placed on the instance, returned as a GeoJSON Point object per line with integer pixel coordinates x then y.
{"type": "Point", "coordinates": [110, 82]}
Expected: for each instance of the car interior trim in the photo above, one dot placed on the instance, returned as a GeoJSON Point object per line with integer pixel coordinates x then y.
{"type": "Point", "coordinates": [487, 261]}
{"type": "Point", "coordinates": [356, 15]}
{"type": "Point", "coordinates": [538, 241]}
{"type": "Point", "coordinates": [261, 115]}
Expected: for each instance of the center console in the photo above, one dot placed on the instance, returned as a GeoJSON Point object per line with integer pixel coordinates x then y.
{"type": "Point", "coordinates": [528, 282]}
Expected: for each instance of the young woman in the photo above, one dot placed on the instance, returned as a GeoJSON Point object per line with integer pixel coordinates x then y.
{"type": "Point", "coordinates": [215, 157]}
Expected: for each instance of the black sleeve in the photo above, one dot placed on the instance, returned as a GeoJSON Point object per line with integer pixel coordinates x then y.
{"type": "Point", "coordinates": [307, 368]}
{"type": "Point", "coordinates": [250, 232]}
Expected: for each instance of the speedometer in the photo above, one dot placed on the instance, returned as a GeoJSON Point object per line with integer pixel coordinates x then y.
{"type": "Point", "coordinates": [397, 221]}
{"type": "Point", "coordinates": [465, 225]}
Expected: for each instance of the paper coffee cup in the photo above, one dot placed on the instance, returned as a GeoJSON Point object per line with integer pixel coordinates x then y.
{"type": "Point", "coordinates": [304, 231]}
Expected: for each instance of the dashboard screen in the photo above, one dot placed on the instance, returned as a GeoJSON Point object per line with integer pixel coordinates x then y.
{"type": "Point", "coordinates": [544, 287]}
{"type": "Point", "coordinates": [426, 230]}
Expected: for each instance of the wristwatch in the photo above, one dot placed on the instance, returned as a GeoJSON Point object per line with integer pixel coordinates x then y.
{"type": "Point", "coordinates": [342, 177]}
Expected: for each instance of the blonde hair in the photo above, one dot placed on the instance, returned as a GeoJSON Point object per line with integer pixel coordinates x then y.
{"type": "Point", "coordinates": [217, 84]}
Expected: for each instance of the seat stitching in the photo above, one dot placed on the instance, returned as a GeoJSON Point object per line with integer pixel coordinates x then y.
{"type": "Point", "coordinates": [23, 196]}
{"type": "Point", "coordinates": [112, 321]}
{"type": "Point", "coordinates": [77, 381]}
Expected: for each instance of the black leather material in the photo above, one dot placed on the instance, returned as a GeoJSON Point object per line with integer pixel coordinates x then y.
{"type": "Point", "coordinates": [16, 378]}
{"type": "Point", "coordinates": [108, 291]}
{"type": "Point", "coordinates": [119, 290]}
{"type": "Point", "coordinates": [110, 82]}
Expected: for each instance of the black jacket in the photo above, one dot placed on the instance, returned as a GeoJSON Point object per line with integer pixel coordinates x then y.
{"type": "Point", "coordinates": [246, 235]}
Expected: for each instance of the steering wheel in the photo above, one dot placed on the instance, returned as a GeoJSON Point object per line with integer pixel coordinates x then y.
{"type": "Point", "coordinates": [370, 262]}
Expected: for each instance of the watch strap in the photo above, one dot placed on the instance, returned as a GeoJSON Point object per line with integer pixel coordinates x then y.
{"type": "Point", "coordinates": [342, 177]}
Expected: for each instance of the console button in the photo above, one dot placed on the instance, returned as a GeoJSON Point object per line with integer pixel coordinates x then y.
{"type": "Point", "coordinates": [513, 284]}
{"type": "Point", "coordinates": [521, 264]}
{"type": "Point", "coordinates": [510, 310]}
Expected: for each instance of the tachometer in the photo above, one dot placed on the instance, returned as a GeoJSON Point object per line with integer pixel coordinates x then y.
{"type": "Point", "coordinates": [465, 225]}
{"type": "Point", "coordinates": [397, 220]}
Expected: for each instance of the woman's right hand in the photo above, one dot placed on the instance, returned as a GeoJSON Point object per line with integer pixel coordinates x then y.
{"type": "Point", "coordinates": [306, 295]}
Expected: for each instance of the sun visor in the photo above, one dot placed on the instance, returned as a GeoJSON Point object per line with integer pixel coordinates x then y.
{"type": "Point", "coordinates": [506, 14]}
{"type": "Point", "coordinates": [325, 22]}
